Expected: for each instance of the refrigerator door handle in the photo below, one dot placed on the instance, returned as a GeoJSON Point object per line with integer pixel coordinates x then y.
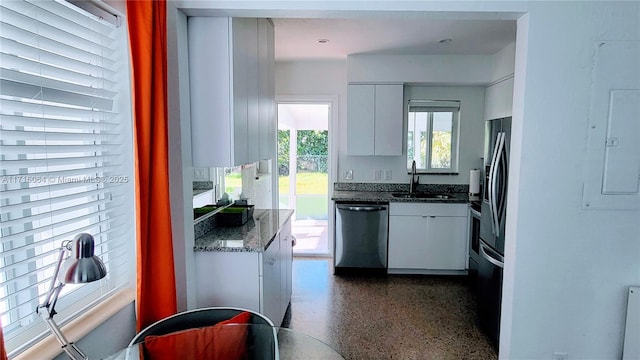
{"type": "Point", "coordinates": [493, 203]}
{"type": "Point", "coordinates": [491, 186]}
{"type": "Point", "coordinates": [498, 194]}
{"type": "Point", "coordinates": [485, 254]}
{"type": "Point", "coordinates": [503, 189]}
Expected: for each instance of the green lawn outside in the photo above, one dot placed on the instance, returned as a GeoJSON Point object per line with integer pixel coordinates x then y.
{"type": "Point", "coordinates": [307, 183]}
{"type": "Point", "coordinates": [232, 181]}
{"type": "Point", "coordinates": [312, 207]}
{"type": "Point", "coordinates": [311, 193]}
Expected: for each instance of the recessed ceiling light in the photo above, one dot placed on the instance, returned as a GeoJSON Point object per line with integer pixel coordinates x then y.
{"type": "Point", "coordinates": [445, 41]}
{"type": "Point", "coordinates": [323, 41]}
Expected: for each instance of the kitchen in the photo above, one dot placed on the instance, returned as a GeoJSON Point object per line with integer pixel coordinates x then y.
{"type": "Point", "coordinates": [468, 144]}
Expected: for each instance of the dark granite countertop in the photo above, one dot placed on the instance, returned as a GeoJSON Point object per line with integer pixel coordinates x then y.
{"type": "Point", "coordinates": [382, 192]}
{"type": "Point", "coordinates": [386, 196]}
{"type": "Point", "coordinates": [254, 236]}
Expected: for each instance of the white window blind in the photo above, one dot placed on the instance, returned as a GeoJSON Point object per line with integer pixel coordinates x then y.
{"type": "Point", "coordinates": [65, 157]}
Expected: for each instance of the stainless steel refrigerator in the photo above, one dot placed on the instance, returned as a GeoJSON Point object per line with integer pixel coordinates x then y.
{"type": "Point", "coordinates": [494, 204]}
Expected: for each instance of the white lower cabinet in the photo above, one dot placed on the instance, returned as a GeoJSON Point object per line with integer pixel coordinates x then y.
{"type": "Point", "coordinates": [427, 237]}
{"type": "Point", "coordinates": [286, 266]}
{"type": "Point", "coordinates": [271, 282]}
{"type": "Point", "coordinates": [203, 199]}
{"type": "Point", "coordinates": [258, 281]}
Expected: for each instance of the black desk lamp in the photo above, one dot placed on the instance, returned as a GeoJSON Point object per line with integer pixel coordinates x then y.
{"type": "Point", "coordinates": [82, 268]}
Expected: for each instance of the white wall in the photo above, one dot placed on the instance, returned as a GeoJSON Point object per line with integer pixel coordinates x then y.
{"type": "Point", "coordinates": [329, 77]}
{"type": "Point", "coordinates": [111, 336]}
{"type": "Point", "coordinates": [324, 79]}
{"type": "Point", "coordinates": [567, 269]}
{"type": "Point", "coordinates": [503, 63]}
{"type": "Point", "coordinates": [432, 69]}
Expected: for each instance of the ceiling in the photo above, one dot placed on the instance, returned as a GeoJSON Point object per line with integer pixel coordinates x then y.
{"type": "Point", "coordinates": [303, 116]}
{"type": "Point", "coordinates": [297, 39]}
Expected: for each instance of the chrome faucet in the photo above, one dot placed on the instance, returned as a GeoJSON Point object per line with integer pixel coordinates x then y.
{"type": "Point", "coordinates": [415, 180]}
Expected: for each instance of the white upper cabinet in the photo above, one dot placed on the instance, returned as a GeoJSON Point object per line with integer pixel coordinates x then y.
{"type": "Point", "coordinates": [360, 119]}
{"type": "Point", "coordinates": [498, 100]}
{"type": "Point", "coordinates": [374, 119]}
{"type": "Point", "coordinates": [267, 128]}
{"type": "Point", "coordinates": [230, 94]}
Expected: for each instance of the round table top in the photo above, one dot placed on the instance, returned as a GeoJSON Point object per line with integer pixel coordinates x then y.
{"type": "Point", "coordinates": [263, 342]}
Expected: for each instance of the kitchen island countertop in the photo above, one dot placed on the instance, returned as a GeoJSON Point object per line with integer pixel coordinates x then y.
{"type": "Point", "coordinates": [254, 236]}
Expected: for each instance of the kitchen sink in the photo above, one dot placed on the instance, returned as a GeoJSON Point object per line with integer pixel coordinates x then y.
{"type": "Point", "coordinates": [433, 196]}
{"type": "Point", "coordinates": [404, 195]}
{"type": "Point", "coordinates": [421, 196]}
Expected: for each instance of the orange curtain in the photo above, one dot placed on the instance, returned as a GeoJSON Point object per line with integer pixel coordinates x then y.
{"type": "Point", "coordinates": [3, 350]}
{"type": "Point", "coordinates": [155, 266]}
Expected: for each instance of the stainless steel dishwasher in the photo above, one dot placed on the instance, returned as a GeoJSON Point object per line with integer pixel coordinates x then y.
{"type": "Point", "coordinates": [361, 234]}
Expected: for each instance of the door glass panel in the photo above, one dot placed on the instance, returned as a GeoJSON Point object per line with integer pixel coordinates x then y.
{"type": "Point", "coordinates": [303, 181]}
{"type": "Point", "coordinates": [312, 181]}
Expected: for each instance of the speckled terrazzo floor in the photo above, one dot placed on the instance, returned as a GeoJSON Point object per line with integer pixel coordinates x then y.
{"type": "Point", "coordinates": [386, 317]}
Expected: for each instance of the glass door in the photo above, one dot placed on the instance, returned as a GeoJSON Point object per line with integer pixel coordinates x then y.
{"type": "Point", "coordinates": [303, 173]}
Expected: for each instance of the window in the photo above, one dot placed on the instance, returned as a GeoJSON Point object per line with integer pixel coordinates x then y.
{"type": "Point", "coordinates": [432, 136]}
{"type": "Point", "coordinates": [65, 158]}
{"type": "Point", "coordinates": [232, 181]}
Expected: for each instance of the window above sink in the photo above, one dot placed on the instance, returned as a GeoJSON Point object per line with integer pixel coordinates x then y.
{"type": "Point", "coordinates": [432, 136]}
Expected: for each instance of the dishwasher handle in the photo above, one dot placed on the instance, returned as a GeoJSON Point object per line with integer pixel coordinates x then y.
{"type": "Point", "coordinates": [361, 208]}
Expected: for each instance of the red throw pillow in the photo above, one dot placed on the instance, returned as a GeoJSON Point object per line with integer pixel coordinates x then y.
{"type": "Point", "coordinates": [218, 342]}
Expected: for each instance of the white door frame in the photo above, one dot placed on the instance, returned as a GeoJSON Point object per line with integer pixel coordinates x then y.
{"type": "Point", "coordinates": [334, 137]}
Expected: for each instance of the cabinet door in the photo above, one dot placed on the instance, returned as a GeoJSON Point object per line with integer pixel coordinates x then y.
{"type": "Point", "coordinates": [241, 52]}
{"type": "Point", "coordinates": [498, 100]}
{"type": "Point", "coordinates": [286, 255]}
{"type": "Point", "coordinates": [266, 97]}
{"type": "Point", "coordinates": [446, 240]}
{"type": "Point", "coordinates": [271, 292]}
{"type": "Point", "coordinates": [253, 103]}
{"type": "Point", "coordinates": [210, 85]}
{"type": "Point", "coordinates": [228, 279]}
{"type": "Point", "coordinates": [408, 248]}
{"type": "Point", "coordinates": [388, 120]}
{"type": "Point", "coordinates": [360, 119]}
{"type": "Point", "coordinates": [427, 242]}
{"type": "Point", "coordinates": [205, 198]}
{"type": "Point", "coordinates": [508, 90]}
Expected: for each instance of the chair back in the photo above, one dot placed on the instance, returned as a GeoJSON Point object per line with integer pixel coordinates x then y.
{"type": "Point", "coordinates": [262, 343]}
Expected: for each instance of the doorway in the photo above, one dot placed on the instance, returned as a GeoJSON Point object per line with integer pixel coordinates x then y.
{"type": "Point", "coordinates": [303, 173]}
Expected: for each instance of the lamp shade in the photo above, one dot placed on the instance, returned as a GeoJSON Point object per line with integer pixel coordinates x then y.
{"type": "Point", "coordinates": [83, 266]}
